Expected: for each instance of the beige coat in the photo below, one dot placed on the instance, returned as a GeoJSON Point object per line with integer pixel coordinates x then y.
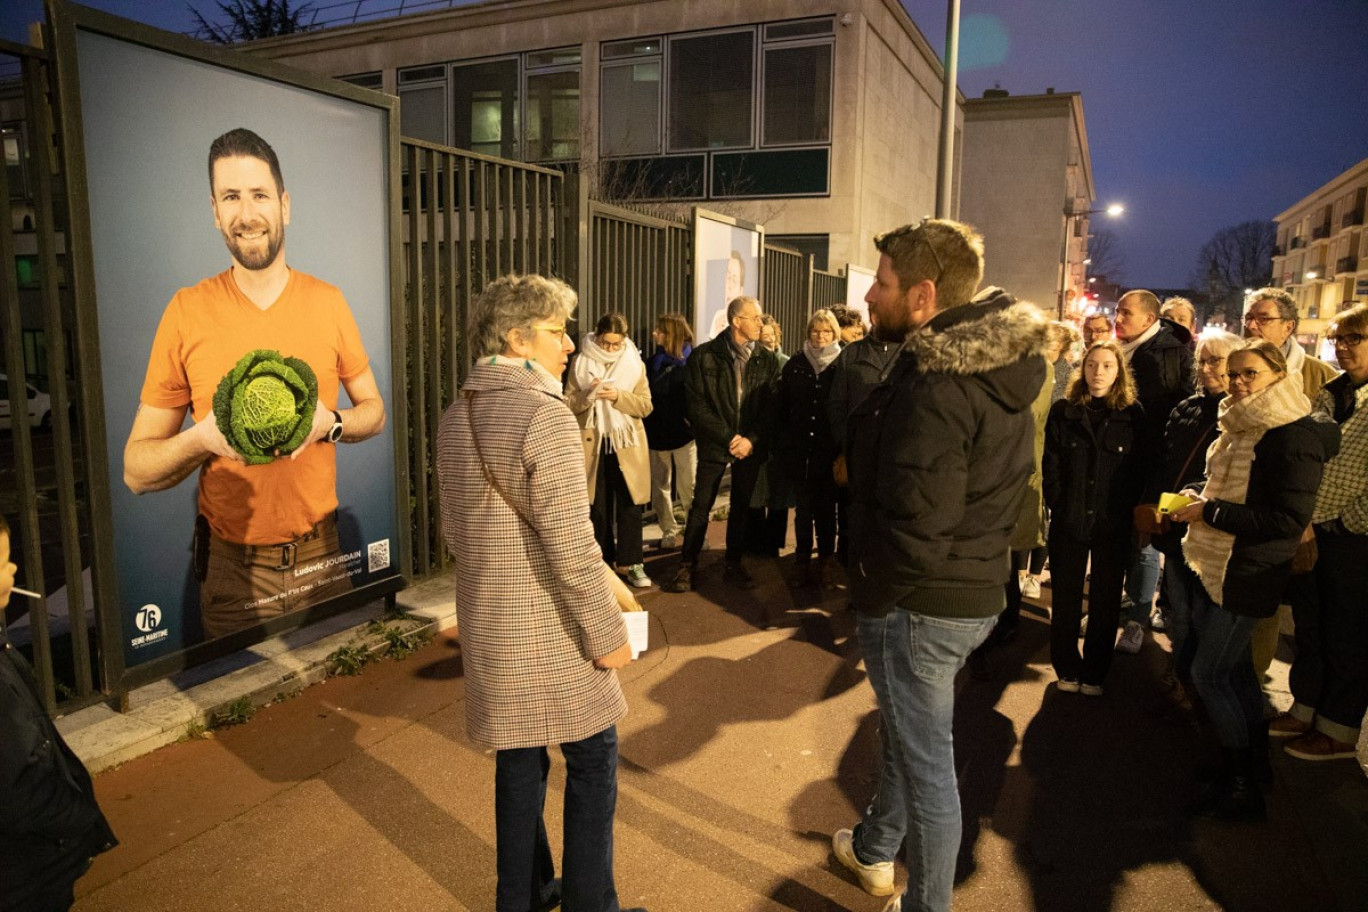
{"type": "Point", "coordinates": [635, 462]}
{"type": "Point", "coordinates": [535, 606]}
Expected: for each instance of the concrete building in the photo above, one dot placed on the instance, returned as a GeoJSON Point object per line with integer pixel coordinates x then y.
{"type": "Point", "coordinates": [817, 119]}
{"type": "Point", "coordinates": [1027, 184]}
{"type": "Point", "coordinates": [1321, 254]}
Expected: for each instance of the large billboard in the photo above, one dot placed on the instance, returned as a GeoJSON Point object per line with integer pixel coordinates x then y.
{"type": "Point", "coordinates": [242, 235]}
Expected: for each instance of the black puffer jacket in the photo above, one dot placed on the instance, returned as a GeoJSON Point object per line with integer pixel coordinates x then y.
{"type": "Point", "coordinates": [939, 457]}
{"type": "Point", "coordinates": [803, 446]}
{"type": "Point", "coordinates": [710, 391]}
{"type": "Point", "coordinates": [50, 825]}
{"type": "Point", "coordinates": [1094, 470]}
{"type": "Point", "coordinates": [1182, 464]}
{"type": "Point", "coordinates": [861, 366]}
{"type": "Point", "coordinates": [1162, 370]}
{"type": "Point", "coordinates": [1283, 480]}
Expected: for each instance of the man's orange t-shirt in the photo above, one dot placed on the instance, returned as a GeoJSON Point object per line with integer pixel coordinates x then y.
{"type": "Point", "coordinates": [203, 333]}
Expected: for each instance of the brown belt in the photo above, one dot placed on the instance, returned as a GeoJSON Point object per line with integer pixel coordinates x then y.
{"type": "Point", "coordinates": [274, 557]}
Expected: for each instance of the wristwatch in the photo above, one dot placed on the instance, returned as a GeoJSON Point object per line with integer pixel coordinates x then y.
{"type": "Point", "coordinates": [335, 432]}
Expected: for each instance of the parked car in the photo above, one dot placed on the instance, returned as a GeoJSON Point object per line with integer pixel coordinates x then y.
{"type": "Point", "coordinates": [39, 406]}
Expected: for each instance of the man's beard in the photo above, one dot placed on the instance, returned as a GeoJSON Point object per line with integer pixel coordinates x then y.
{"type": "Point", "coordinates": [254, 257]}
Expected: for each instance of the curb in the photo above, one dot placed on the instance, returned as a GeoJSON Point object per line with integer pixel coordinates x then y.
{"type": "Point", "coordinates": [161, 712]}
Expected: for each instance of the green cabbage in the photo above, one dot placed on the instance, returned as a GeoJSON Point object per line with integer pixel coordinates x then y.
{"type": "Point", "coordinates": [265, 405]}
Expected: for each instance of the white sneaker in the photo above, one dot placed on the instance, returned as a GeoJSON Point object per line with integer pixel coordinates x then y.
{"type": "Point", "coordinates": [875, 879]}
{"type": "Point", "coordinates": [1030, 587]}
{"type": "Point", "coordinates": [1090, 690]}
{"type": "Point", "coordinates": [636, 576]}
{"type": "Point", "coordinates": [1132, 638]}
{"type": "Point", "coordinates": [669, 542]}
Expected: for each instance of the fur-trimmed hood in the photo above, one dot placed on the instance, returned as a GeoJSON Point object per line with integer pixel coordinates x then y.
{"type": "Point", "coordinates": [993, 339]}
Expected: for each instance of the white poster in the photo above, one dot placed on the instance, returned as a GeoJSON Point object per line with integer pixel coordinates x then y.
{"type": "Point", "coordinates": [727, 261]}
{"type": "Point", "coordinates": [858, 282]}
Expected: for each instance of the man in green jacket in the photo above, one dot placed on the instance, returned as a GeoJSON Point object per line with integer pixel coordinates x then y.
{"type": "Point", "coordinates": [729, 389]}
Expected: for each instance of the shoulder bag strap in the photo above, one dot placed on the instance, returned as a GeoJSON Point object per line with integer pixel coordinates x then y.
{"type": "Point", "coordinates": [469, 396]}
{"type": "Point", "coordinates": [1193, 455]}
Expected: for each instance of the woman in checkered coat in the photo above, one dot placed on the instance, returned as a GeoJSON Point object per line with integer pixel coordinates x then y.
{"type": "Point", "coordinates": [541, 633]}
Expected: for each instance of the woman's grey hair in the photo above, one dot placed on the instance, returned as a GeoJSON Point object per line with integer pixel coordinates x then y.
{"type": "Point", "coordinates": [516, 302]}
{"type": "Point", "coordinates": [1217, 342]}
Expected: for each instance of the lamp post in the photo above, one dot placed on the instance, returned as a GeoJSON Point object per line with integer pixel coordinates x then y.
{"type": "Point", "coordinates": [1113, 210]}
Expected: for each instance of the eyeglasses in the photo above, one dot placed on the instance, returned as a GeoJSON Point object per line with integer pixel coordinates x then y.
{"type": "Point", "coordinates": [1348, 340]}
{"type": "Point", "coordinates": [882, 241]}
{"type": "Point", "coordinates": [1213, 361]}
{"type": "Point", "coordinates": [611, 346]}
{"type": "Point", "coordinates": [557, 331]}
{"type": "Point", "coordinates": [1261, 319]}
{"type": "Point", "coordinates": [1248, 375]}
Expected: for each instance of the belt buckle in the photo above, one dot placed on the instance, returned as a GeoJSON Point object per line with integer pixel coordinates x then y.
{"type": "Point", "coordinates": [287, 556]}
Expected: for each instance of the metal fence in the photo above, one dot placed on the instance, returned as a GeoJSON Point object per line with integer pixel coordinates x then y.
{"type": "Point", "coordinates": [46, 505]}
{"type": "Point", "coordinates": [468, 219]}
{"type": "Point", "coordinates": [638, 265]}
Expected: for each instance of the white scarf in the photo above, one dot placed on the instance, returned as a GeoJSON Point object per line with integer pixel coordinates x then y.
{"type": "Point", "coordinates": [624, 369]}
{"type": "Point", "coordinates": [1243, 424]}
{"type": "Point", "coordinates": [821, 357]}
{"type": "Point", "coordinates": [1128, 348]}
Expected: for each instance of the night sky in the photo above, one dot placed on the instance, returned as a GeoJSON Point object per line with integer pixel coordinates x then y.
{"type": "Point", "coordinates": [1200, 113]}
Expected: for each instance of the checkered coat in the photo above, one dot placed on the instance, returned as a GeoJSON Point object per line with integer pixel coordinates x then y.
{"type": "Point", "coordinates": [535, 608]}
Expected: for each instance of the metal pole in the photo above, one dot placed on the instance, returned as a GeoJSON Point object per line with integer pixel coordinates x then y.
{"type": "Point", "coordinates": [1064, 264]}
{"type": "Point", "coordinates": [945, 165]}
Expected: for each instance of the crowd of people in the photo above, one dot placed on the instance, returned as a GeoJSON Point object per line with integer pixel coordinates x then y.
{"type": "Point", "coordinates": [936, 464]}
{"type": "Point", "coordinates": [939, 464]}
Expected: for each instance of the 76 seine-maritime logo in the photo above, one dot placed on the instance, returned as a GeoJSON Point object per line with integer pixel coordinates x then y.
{"type": "Point", "coordinates": [148, 619]}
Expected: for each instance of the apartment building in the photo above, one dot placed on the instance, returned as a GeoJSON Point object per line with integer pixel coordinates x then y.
{"type": "Point", "coordinates": [1321, 253]}
{"type": "Point", "coordinates": [1028, 186]}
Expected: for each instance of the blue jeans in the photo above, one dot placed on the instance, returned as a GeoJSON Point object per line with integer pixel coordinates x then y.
{"type": "Point", "coordinates": [911, 660]}
{"type": "Point", "coordinates": [526, 870]}
{"type": "Point", "coordinates": [1223, 669]}
{"type": "Point", "coordinates": [1179, 583]}
{"type": "Point", "coordinates": [1142, 579]}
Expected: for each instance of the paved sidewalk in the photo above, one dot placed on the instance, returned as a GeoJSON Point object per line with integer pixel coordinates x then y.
{"type": "Point", "coordinates": [752, 737]}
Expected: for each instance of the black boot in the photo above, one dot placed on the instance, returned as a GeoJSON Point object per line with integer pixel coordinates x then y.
{"type": "Point", "coordinates": [1215, 782]}
{"type": "Point", "coordinates": [1260, 767]}
{"type": "Point", "coordinates": [1239, 798]}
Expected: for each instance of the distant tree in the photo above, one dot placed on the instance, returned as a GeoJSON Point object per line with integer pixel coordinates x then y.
{"type": "Point", "coordinates": [1236, 258]}
{"type": "Point", "coordinates": [248, 20]}
{"type": "Point", "coordinates": [1104, 250]}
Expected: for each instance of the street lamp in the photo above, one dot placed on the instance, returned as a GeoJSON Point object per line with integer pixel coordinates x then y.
{"type": "Point", "coordinates": [1113, 210]}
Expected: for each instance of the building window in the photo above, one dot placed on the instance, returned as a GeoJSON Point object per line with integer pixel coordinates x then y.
{"type": "Point", "coordinates": [14, 162]}
{"type": "Point", "coordinates": [422, 113]}
{"type": "Point", "coordinates": [484, 107]}
{"type": "Point", "coordinates": [629, 116]}
{"type": "Point", "coordinates": [727, 99]}
{"type": "Point", "coordinates": [797, 94]}
{"type": "Point", "coordinates": [525, 107]}
{"type": "Point", "coordinates": [817, 246]}
{"type": "Point", "coordinates": [712, 91]}
{"type": "Point", "coordinates": [375, 80]}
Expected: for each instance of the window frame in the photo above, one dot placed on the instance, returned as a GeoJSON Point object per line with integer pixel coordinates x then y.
{"type": "Point", "coordinates": [668, 74]}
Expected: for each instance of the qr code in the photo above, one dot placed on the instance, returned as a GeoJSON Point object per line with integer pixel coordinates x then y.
{"type": "Point", "coordinates": [377, 555]}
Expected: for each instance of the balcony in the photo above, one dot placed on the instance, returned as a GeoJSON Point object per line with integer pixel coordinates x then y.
{"type": "Point", "coordinates": [1279, 250]}
{"type": "Point", "coordinates": [1346, 264]}
{"type": "Point", "coordinates": [1351, 219]}
{"type": "Point", "coordinates": [1298, 242]}
{"type": "Point", "coordinates": [1320, 231]}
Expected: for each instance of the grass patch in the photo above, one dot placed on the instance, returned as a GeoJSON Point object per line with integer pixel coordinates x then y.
{"type": "Point", "coordinates": [238, 712]}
